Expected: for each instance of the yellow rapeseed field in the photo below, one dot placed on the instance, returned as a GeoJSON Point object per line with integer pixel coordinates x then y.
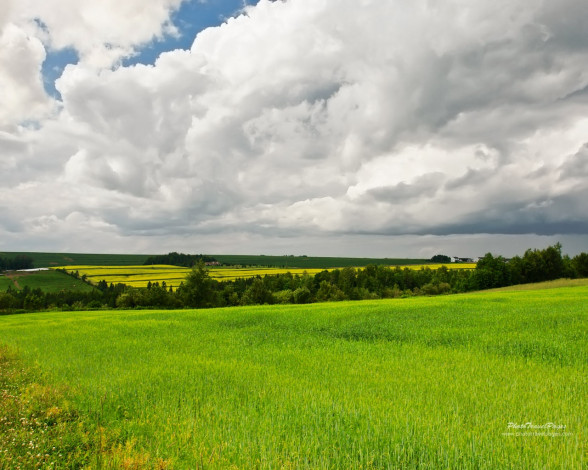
{"type": "Point", "coordinates": [140, 276]}
{"type": "Point", "coordinates": [134, 276]}
{"type": "Point", "coordinates": [173, 276]}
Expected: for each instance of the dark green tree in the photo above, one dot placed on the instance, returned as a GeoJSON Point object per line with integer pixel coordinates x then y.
{"type": "Point", "coordinates": [441, 259]}
{"type": "Point", "coordinates": [198, 289]}
{"type": "Point", "coordinates": [329, 292]}
{"type": "Point", "coordinates": [553, 261]}
{"type": "Point", "coordinates": [257, 293]}
{"type": "Point", "coordinates": [491, 272]}
{"type": "Point", "coordinates": [580, 264]}
{"type": "Point", "coordinates": [302, 295]}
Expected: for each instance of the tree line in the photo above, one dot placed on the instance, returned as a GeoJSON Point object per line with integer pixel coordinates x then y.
{"type": "Point", "coordinates": [371, 282]}
{"type": "Point", "coordinates": [179, 259]}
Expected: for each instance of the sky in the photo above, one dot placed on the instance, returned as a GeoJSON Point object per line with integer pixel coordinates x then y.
{"type": "Point", "coordinates": [379, 128]}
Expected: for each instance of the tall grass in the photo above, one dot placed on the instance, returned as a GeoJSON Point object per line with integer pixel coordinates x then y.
{"type": "Point", "coordinates": [543, 285]}
{"type": "Point", "coordinates": [414, 383]}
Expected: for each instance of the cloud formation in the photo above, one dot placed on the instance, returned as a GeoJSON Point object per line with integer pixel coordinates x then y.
{"type": "Point", "coordinates": [294, 120]}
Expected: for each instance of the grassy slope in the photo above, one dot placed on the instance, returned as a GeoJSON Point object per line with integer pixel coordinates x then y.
{"type": "Point", "coordinates": [47, 260]}
{"type": "Point", "coordinates": [48, 281]}
{"type": "Point", "coordinates": [543, 285]}
{"type": "Point", "coordinates": [5, 282]}
{"type": "Point", "coordinates": [426, 382]}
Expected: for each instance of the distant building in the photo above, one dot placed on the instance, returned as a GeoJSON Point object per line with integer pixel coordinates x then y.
{"type": "Point", "coordinates": [456, 259]}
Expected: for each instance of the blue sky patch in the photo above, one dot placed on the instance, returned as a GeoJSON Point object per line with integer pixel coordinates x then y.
{"type": "Point", "coordinates": [192, 17]}
{"type": "Point", "coordinates": [53, 67]}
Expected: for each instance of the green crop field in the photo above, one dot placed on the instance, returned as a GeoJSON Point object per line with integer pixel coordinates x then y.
{"type": "Point", "coordinates": [483, 380]}
{"type": "Point", "coordinates": [47, 260]}
{"type": "Point", "coordinates": [311, 262]}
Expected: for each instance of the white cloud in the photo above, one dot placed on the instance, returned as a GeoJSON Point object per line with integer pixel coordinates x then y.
{"type": "Point", "coordinates": [306, 119]}
{"type": "Point", "coordinates": [102, 32]}
{"type": "Point", "coordinates": [21, 87]}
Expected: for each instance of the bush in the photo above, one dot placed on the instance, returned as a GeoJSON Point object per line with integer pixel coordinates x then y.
{"type": "Point", "coordinates": [284, 296]}
{"type": "Point", "coordinates": [302, 295]}
{"type": "Point", "coordinates": [257, 293]}
{"type": "Point", "coordinates": [329, 292]}
{"type": "Point", "coordinates": [34, 302]}
{"type": "Point", "coordinates": [7, 301]}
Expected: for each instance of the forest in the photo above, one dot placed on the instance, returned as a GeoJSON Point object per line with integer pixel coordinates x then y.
{"type": "Point", "coordinates": [15, 263]}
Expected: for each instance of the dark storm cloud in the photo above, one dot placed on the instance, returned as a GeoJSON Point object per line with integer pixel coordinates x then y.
{"type": "Point", "coordinates": [576, 166]}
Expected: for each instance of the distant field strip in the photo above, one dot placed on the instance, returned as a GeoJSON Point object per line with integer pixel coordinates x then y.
{"type": "Point", "coordinates": [437, 266]}
{"type": "Point", "coordinates": [173, 276]}
{"type": "Point", "coordinates": [230, 274]}
{"type": "Point", "coordinates": [311, 262]}
{"type": "Point", "coordinates": [47, 260]}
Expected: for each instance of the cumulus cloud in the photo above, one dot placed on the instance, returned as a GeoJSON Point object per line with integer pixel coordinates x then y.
{"type": "Point", "coordinates": [302, 119]}
{"type": "Point", "coordinates": [21, 87]}
{"type": "Point", "coordinates": [101, 32]}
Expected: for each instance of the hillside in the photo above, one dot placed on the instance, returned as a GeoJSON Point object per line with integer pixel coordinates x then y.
{"type": "Point", "coordinates": [312, 262]}
{"type": "Point", "coordinates": [47, 281]}
{"type": "Point", "coordinates": [48, 260]}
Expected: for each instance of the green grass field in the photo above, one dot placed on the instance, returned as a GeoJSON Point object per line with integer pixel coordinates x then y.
{"type": "Point", "coordinates": [47, 281]}
{"type": "Point", "coordinates": [407, 383]}
{"type": "Point", "coordinates": [5, 282]}
{"type": "Point", "coordinates": [543, 285]}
